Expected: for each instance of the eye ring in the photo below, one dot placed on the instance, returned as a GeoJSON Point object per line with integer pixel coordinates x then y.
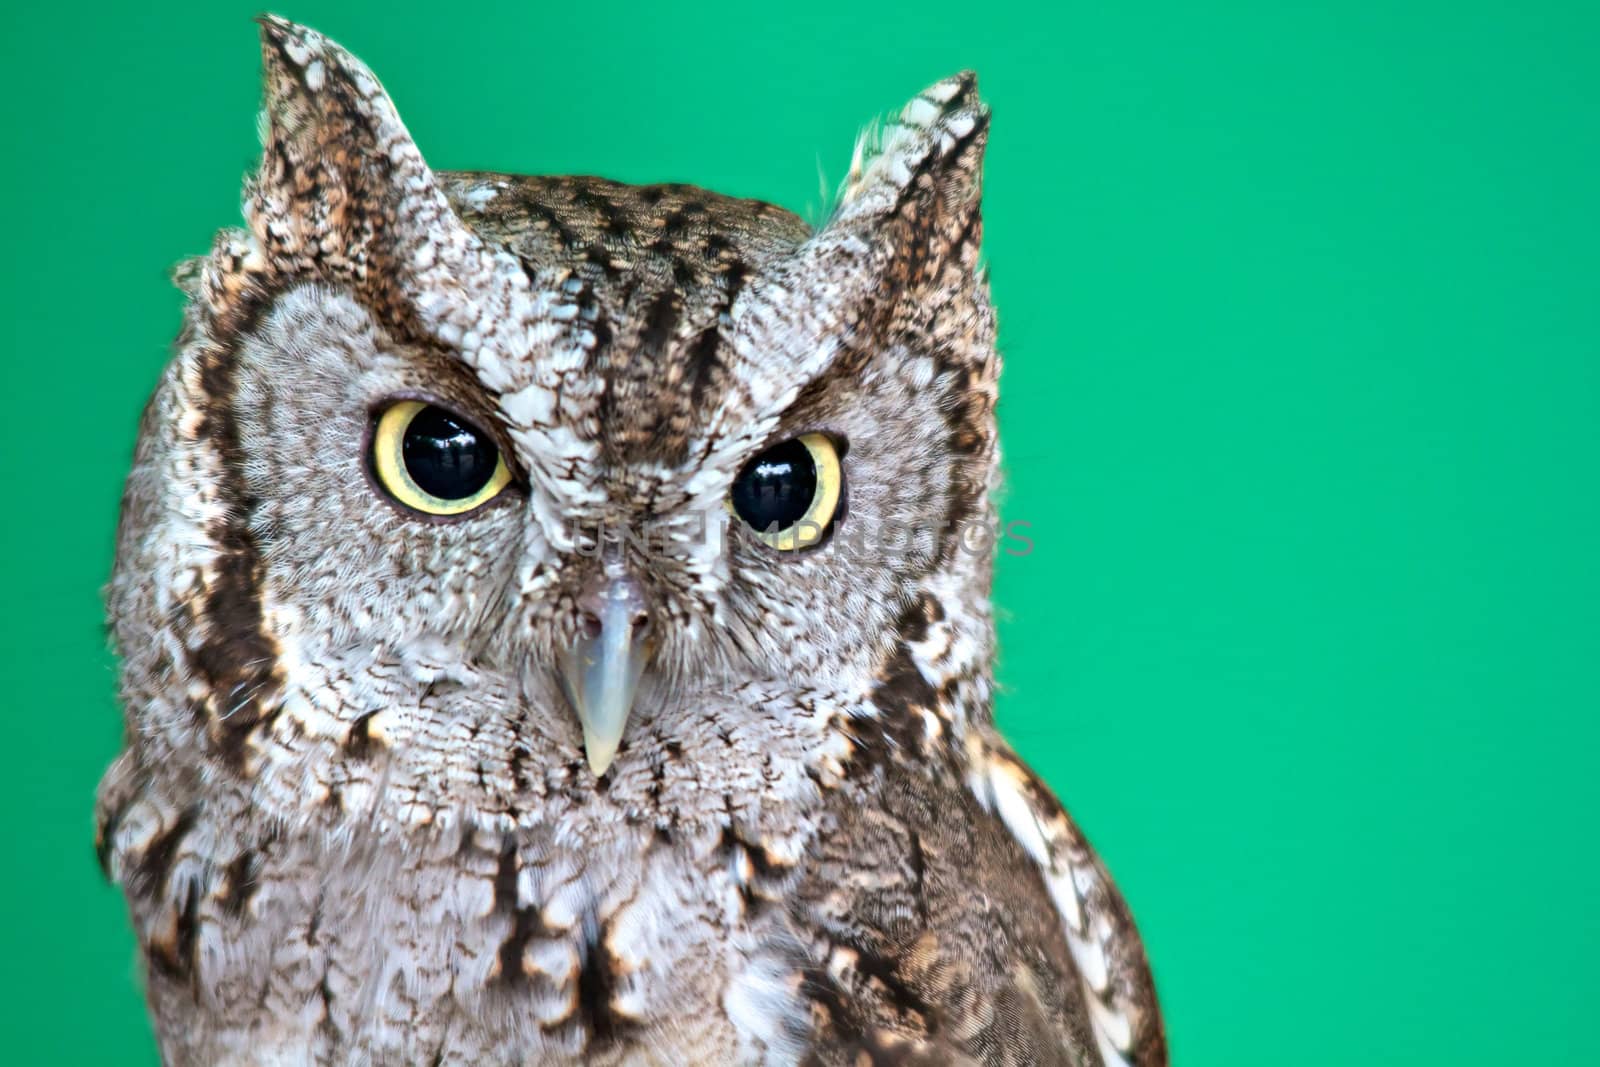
{"type": "Point", "coordinates": [789, 494]}
{"type": "Point", "coordinates": [433, 461]}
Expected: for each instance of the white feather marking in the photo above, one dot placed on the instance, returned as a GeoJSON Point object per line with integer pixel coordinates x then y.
{"type": "Point", "coordinates": [960, 125]}
{"type": "Point", "coordinates": [920, 112]}
{"type": "Point", "coordinates": [1111, 1028]}
{"type": "Point", "coordinates": [1066, 899]}
{"type": "Point", "coordinates": [944, 91]}
{"type": "Point", "coordinates": [1001, 791]}
{"type": "Point", "coordinates": [565, 905]}
{"type": "Point", "coordinates": [1015, 811]}
{"type": "Point", "coordinates": [1091, 961]}
{"type": "Point", "coordinates": [763, 1005]}
{"type": "Point", "coordinates": [532, 406]}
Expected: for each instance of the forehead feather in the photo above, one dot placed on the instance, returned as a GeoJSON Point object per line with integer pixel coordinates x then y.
{"type": "Point", "coordinates": [645, 277]}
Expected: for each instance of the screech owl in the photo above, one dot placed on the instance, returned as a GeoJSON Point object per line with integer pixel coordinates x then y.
{"type": "Point", "coordinates": [506, 677]}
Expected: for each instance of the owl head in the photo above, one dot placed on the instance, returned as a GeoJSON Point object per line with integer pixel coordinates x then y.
{"type": "Point", "coordinates": [471, 493]}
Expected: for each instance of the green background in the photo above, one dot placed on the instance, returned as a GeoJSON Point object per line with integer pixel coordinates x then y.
{"type": "Point", "coordinates": [1299, 309]}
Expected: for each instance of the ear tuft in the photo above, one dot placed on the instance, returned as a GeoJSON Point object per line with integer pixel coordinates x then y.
{"type": "Point", "coordinates": [938, 136]}
{"type": "Point", "coordinates": [918, 184]}
{"type": "Point", "coordinates": [343, 196]}
{"type": "Point", "coordinates": [342, 191]}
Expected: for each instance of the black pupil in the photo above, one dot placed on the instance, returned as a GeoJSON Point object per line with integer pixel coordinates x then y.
{"type": "Point", "coordinates": [446, 457]}
{"type": "Point", "coordinates": [775, 488]}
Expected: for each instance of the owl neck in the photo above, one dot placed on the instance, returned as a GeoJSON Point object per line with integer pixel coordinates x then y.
{"type": "Point", "coordinates": [932, 687]}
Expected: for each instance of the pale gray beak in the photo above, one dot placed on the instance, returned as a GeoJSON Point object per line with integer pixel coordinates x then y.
{"type": "Point", "coordinates": [602, 670]}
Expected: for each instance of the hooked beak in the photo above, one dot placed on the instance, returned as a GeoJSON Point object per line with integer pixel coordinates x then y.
{"type": "Point", "coordinates": [602, 670]}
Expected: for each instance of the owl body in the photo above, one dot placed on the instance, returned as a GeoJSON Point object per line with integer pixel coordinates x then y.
{"type": "Point", "coordinates": [578, 767]}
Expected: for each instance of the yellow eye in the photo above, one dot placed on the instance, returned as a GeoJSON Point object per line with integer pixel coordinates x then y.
{"type": "Point", "coordinates": [788, 494]}
{"type": "Point", "coordinates": [434, 461]}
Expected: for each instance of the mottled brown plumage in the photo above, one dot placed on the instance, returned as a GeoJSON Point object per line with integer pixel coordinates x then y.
{"type": "Point", "coordinates": [361, 817]}
{"type": "Point", "coordinates": [665, 262]}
